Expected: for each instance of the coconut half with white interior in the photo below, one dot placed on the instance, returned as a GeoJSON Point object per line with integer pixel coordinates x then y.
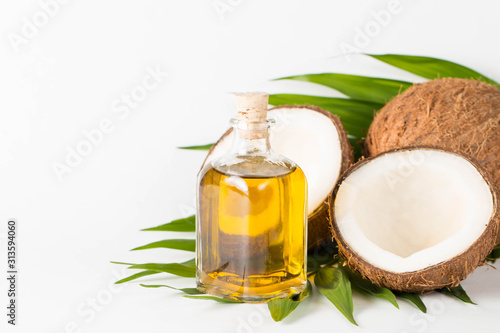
{"type": "Point", "coordinates": [316, 140]}
{"type": "Point", "coordinates": [415, 219]}
{"type": "Point", "coordinates": [452, 113]}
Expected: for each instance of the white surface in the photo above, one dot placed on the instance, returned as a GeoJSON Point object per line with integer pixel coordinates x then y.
{"type": "Point", "coordinates": [68, 79]}
{"type": "Point", "coordinates": [409, 210]}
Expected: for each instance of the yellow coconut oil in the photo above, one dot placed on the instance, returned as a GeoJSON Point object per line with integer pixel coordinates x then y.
{"type": "Point", "coordinates": [251, 222]}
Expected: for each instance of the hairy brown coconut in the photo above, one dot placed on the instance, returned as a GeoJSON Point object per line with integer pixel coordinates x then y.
{"type": "Point", "coordinates": [316, 140]}
{"type": "Point", "coordinates": [415, 219]}
{"type": "Point", "coordinates": [458, 114]}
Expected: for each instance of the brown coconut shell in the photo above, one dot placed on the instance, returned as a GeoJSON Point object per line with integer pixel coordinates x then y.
{"type": "Point", "coordinates": [443, 275]}
{"type": "Point", "coordinates": [318, 232]}
{"type": "Point", "coordinates": [458, 114]}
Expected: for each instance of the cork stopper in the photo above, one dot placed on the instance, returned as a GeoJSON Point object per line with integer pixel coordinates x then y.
{"type": "Point", "coordinates": [252, 114]}
{"type": "Point", "coordinates": [252, 106]}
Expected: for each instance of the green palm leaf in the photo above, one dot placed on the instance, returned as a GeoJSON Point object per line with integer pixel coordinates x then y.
{"type": "Point", "coordinates": [189, 291]}
{"type": "Point", "coordinates": [457, 292]}
{"type": "Point", "coordinates": [184, 269]}
{"type": "Point", "coordinates": [281, 308]}
{"type": "Point", "coordinates": [200, 147]}
{"type": "Point", "coordinates": [366, 287]}
{"type": "Point", "coordinates": [184, 225]}
{"type": "Point", "coordinates": [364, 88]}
{"type": "Point", "coordinates": [431, 68]}
{"type": "Point", "coordinates": [176, 244]}
{"type": "Point", "coordinates": [334, 284]}
{"type": "Point", "coordinates": [413, 298]}
{"type": "Point", "coordinates": [136, 276]}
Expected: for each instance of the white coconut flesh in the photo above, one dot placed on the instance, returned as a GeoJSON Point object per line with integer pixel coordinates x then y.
{"type": "Point", "coordinates": [408, 210]}
{"type": "Point", "coordinates": [309, 139]}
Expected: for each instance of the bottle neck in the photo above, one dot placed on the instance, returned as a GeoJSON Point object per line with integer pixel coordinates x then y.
{"type": "Point", "coordinates": [251, 138]}
{"type": "Point", "coordinates": [244, 145]}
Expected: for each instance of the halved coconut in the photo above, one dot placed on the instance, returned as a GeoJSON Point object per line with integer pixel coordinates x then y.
{"type": "Point", "coordinates": [316, 141]}
{"type": "Point", "coordinates": [415, 219]}
{"type": "Point", "coordinates": [452, 113]}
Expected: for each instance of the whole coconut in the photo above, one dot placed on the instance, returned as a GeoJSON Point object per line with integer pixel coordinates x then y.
{"type": "Point", "coordinates": [458, 114]}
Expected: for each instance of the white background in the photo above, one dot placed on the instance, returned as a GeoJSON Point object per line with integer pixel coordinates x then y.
{"type": "Point", "coordinates": [68, 77]}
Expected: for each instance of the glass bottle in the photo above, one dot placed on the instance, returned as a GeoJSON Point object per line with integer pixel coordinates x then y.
{"type": "Point", "coordinates": [251, 215]}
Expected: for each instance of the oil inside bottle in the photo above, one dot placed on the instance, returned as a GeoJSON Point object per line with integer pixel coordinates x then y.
{"type": "Point", "coordinates": [251, 235]}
